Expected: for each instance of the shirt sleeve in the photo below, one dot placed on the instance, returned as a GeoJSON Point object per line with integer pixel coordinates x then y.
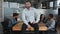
{"type": "Point", "coordinates": [52, 25]}
{"type": "Point", "coordinates": [23, 18]}
{"type": "Point", "coordinates": [37, 15]}
{"type": "Point", "coordinates": [37, 19]}
{"type": "Point", "coordinates": [12, 22]}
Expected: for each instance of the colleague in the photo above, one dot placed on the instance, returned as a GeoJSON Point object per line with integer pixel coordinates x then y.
{"type": "Point", "coordinates": [13, 20]}
{"type": "Point", "coordinates": [42, 18]}
{"type": "Point", "coordinates": [28, 17]}
{"type": "Point", "coordinates": [50, 23]}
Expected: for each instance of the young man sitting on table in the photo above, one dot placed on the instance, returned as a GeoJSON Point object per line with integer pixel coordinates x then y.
{"type": "Point", "coordinates": [50, 23]}
{"type": "Point", "coordinates": [28, 17]}
{"type": "Point", "coordinates": [13, 20]}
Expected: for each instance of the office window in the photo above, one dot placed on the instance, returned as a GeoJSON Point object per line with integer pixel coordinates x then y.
{"type": "Point", "coordinates": [51, 4]}
{"type": "Point", "coordinates": [14, 5]}
{"type": "Point", "coordinates": [5, 4]}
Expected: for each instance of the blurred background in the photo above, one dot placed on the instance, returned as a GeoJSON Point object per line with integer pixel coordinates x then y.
{"type": "Point", "coordinates": [43, 6]}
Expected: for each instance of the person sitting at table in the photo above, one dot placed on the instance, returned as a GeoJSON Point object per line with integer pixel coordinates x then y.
{"type": "Point", "coordinates": [50, 23]}
{"type": "Point", "coordinates": [13, 20]}
{"type": "Point", "coordinates": [42, 18]}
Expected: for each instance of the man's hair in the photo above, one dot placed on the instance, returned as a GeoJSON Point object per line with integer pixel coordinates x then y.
{"type": "Point", "coordinates": [51, 15]}
{"type": "Point", "coordinates": [15, 14]}
{"type": "Point", "coordinates": [28, 1]}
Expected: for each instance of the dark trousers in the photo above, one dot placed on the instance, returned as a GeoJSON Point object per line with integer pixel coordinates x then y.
{"type": "Point", "coordinates": [35, 26]}
{"type": "Point", "coordinates": [42, 32]}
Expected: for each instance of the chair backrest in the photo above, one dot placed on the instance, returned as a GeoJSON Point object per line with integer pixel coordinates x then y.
{"type": "Point", "coordinates": [56, 24]}
{"type": "Point", "coordinates": [5, 23]}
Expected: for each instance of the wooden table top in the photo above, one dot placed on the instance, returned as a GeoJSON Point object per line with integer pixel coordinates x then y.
{"type": "Point", "coordinates": [42, 27]}
{"type": "Point", "coordinates": [18, 27]}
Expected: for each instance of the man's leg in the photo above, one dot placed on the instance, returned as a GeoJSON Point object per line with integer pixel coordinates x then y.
{"type": "Point", "coordinates": [36, 28]}
{"type": "Point", "coordinates": [24, 26]}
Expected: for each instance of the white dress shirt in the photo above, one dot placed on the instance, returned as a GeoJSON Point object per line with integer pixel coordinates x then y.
{"type": "Point", "coordinates": [29, 15]}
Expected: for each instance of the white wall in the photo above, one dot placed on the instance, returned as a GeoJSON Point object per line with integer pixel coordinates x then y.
{"type": "Point", "coordinates": [47, 11]}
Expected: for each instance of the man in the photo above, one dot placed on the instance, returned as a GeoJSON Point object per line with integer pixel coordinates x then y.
{"type": "Point", "coordinates": [13, 20]}
{"type": "Point", "coordinates": [28, 17]}
{"type": "Point", "coordinates": [50, 23]}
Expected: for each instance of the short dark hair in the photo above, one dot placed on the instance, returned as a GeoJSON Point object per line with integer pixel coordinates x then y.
{"type": "Point", "coordinates": [51, 15]}
{"type": "Point", "coordinates": [15, 14]}
{"type": "Point", "coordinates": [28, 1]}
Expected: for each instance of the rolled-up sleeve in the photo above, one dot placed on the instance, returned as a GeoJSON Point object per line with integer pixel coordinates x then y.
{"type": "Point", "coordinates": [38, 18]}
{"type": "Point", "coordinates": [12, 22]}
{"type": "Point", "coordinates": [52, 25]}
{"type": "Point", "coordinates": [23, 18]}
{"type": "Point", "coordinates": [37, 15]}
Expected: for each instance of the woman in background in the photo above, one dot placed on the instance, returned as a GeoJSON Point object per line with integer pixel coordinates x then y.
{"type": "Point", "coordinates": [42, 21]}
{"type": "Point", "coordinates": [42, 18]}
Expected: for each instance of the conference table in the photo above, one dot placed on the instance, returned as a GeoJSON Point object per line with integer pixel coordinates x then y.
{"type": "Point", "coordinates": [18, 27]}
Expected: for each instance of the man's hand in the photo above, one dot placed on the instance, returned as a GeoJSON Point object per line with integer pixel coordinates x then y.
{"type": "Point", "coordinates": [29, 27]}
{"type": "Point", "coordinates": [34, 22]}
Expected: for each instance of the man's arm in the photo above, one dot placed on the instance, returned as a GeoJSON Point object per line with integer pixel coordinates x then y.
{"type": "Point", "coordinates": [12, 23]}
{"type": "Point", "coordinates": [37, 15]}
{"type": "Point", "coordinates": [23, 18]}
{"type": "Point", "coordinates": [37, 18]}
{"type": "Point", "coordinates": [52, 25]}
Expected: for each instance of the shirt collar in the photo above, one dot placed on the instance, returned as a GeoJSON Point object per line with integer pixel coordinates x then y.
{"type": "Point", "coordinates": [29, 8]}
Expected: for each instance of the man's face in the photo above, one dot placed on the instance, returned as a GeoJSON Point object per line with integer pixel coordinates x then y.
{"type": "Point", "coordinates": [49, 17]}
{"type": "Point", "coordinates": [28, 4]}
{"type": "Point", "coordinates": [16, 16]}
